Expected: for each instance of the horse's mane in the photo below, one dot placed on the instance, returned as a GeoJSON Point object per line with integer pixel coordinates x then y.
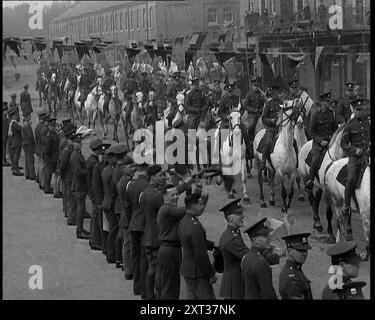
{"type": "Point", "coordinates": [334, 137]}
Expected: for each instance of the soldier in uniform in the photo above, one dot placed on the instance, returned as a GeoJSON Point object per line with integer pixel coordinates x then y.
{"type": "Point", "coordinates": [136, 218]}
{"type": "Point", "coordinates": [25, 102]}
{"type": "Point", "coordinates": [98, 235]}
{"type": "Point", "coordinates": [227, 102]}
{"type": "Point", "coordinates": [322, 127]}
{"type": "Point", "coordinates": [97, 148]}
{"type": "Point", "coordinates": [124, 222]}
{"type": "Point", "coordinates": [344, 112]}
{"type": "Point", "coordinates": [256, 268]}
{"type": "Point", "coordinates": [269, 119]}
{"type": "Point", "coordinates": [108, 82]}
{"type": "Point", "coordinates": [196, 104]}
{"type": "Point", "coordinates": [151, 201]}
{"type": "Point", "coordinates": [196, 267]}
{"type": "Point", "coordinates": [108, 203]}
{"type": "Point", "coordinates": [122, 160]}
{"type": "Point", "coordinates": [145, 84]}
{"type": "Point", "coordinates": [78, 169]}
{"type": "Point", "coordinates": [84, 87]}
{"type": "Point", "coordinates": [343, 254]}
{"type": "Point", "coordinates": [13, 101]}
{"type": "Point", "coordinates": [53, 90]}
{"type": "Point", "coordinates": [51, 154]}
{"type": "Point", "coordinates": [15, 140]}
{"type": "Point", "coordinates": [174, 88]}
{"type": "Point", "coordinates": [5, 133]}
{"type": "Point", "coordinates": [28, 144]}
{"type": "Point", "coordinates": [253, 104]}
{"type": "Point", "coordinates": [217, 92]}
{"type": "Point", "coordinates": [293, 284]}
{"type": "Point", "coordinates": [167, 281]}
{"type": "Point", "coordinates": [233, 249]}
{"type": "Point", "coordinates": [356, 143]}
{"type": "Point", "coordinates": [40, 130]}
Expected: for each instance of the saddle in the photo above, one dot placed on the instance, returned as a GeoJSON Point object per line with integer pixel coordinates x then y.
{"type": "Point", "coordinates": [342, 177]}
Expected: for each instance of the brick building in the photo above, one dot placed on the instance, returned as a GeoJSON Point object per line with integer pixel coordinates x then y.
{"type": "Point", "coordinates": [275, 26]}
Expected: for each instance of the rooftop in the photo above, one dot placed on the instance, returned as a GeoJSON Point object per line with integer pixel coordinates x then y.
{"type": "Point", "coordinates": [85, 7]}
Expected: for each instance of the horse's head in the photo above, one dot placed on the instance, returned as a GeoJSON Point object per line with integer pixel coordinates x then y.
{"type": "Point", "coordinates": [289, 113]}
{"type": "Point", "coordinates": [180, 99]}
{"type": "Point", "coordinates": [53, 77]}
{"type": "Point", "coordinates": [114, 91]}
{"type": "Point", "coordinates": [334, 145]}
{"type": "Point", "coordinates": [139, 97]}
{"type": "Point", "coordinates": [235, 119]}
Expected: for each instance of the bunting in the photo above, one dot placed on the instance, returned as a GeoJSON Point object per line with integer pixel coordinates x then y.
{"type": "Point", "coordinates": [318, 53]}
{"type": "Point", "coordinates": [132, 53]}
{"type": "Point", "coordinates": [221, 57]}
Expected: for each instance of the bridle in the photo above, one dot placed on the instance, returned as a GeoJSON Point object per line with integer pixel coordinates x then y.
{"type": "Point", "coordinates": [289, 118]}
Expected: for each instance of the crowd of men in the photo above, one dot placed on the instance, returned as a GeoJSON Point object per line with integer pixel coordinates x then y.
{"type": "Point", "coordinates": [136, 219]}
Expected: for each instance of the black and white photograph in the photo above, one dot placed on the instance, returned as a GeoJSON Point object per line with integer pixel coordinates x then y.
{"type": "Point", "coordinates": [186, 150]}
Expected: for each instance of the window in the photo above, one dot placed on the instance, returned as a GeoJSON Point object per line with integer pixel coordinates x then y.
{"type": "Point", "coordinates": [132, 20]}
{"type": "Point", "coordinates": [121, 21]}
{"type": "Point", "coordinates": [106, 24]}
{"type": "Point", "coordinates": [150, 20]}
{"type": "Point", "coordinates": [228, 15]}
{"type": "Point", "coordinates": [102, 25]}
{"type": "Point", "coordinates": [144, 18]}
{"type": "Point", "coordinates": [115, 21]}
{"type": "Point", "coordinates": [273, 7]}
{"type": "Point", "coordinates": [137, 18]}
{"type": "Point", "coordinates": [111, 19]}
{"type": "Point", "coordinates": [212, 16]}
{"type": "Point", "coordinates": [251, 3]}
{"type": "Point", "coordinates": [126, 20]}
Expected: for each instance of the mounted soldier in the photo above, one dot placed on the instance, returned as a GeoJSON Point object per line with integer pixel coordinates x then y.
{"type": "Point", "coordinates": [84, 87]}
{"type": "Point", "coordinates": [269, 119]}
{"type": "Point", "coordinates": [174, 88]}
{"type": "Point", "coordinates": [322, 127]}
{"type": "Point", "coordinates": [108, 82]}
{"type": "Point", "coordinates": [41, 87]}
{"type": "Point", "coordinates": [343, 112]}
{"type": "Point", "coordinates": [356, 143]}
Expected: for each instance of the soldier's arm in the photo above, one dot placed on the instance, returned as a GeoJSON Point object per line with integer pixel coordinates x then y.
{"type": "Point", "coordinates": [64, 161]}
{"type": "Point", "coordinates": [199, 243]}
{"type": "Point", "coordinates": [48, 144]}
{"type": "Point", "coordinates": [96, 184]}
{"type": "Point", "coordinates": [265, 116]}
{"type": "Point", "coordinates": [312, 129]}
{"type": "Point", "coordinates": [345, 141]}
{"type": "Point", "coordinates": [178, 212]}
{"type": "Point", "coordinates": [264, 275]}
{"type": "Point", "coordinates": [340, 113]}
{"type": "Point", "coordinates": [237, 247]}
{"type": "Point", "coordinates": [127, 203]}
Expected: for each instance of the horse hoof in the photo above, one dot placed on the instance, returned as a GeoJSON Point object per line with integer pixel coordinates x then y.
{"type": "Point", "coordinates": [218, 182]}
{"type": "Point", "coordinates": [284, 210]}
{"type": "Point", "coordinates": [301, 198]}
{"type": "Point", "coordinates": [231, 196]}
{"type": "Point", "coordinates": [263, 205]}
{"type": "Point", "coordinates": [272, 202]}
{"type": "Point", "coordinates": [246, 200]}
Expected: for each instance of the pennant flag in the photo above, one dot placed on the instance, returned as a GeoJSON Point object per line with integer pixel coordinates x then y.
{"type": "Point", "coordinates": [222, 38]}
{"type": "Point", "coordinates": [39, 46]}
{"type": "Point", "coordinates": [81, 49]}
{"type": "Point", "coordinates": [318, 52]}
{"type": "Point", "coordinates": [363, 57]}
{"type": "Point", "coordinates": [150, 50]}
{"type": "Point", "coordinates": [189, 57]}
{"type": "Point", "coordinates": [132, 53]}
{"type": "Point", "coordinates": [307, 102]}
{"type": "Point", "coordinates": [295, 59]}
{"type": "Point", "coordinates": [13, 45]}
{"type": "Point", "coordinates": [223, 56]}
{"type": "Point", "coordinates": [179, 40]}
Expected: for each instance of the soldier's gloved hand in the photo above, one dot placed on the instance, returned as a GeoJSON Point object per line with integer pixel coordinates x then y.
{"type": "Point", "coordinates": [213, 279]}
{"type": "Point", "coordinates": [358, 152]}
{"type": "Point", "coordinates": [324, 143]}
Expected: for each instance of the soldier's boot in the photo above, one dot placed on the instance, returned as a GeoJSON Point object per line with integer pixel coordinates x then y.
{"type": "Point", "coordinates": [150, 287]}
{"type": "Point", "coordinates": [295, 147]}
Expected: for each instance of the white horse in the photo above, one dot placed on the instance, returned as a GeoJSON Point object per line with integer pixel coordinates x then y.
{"type": "Point", "coordinates": [91, 105]}
{"type": "Point", "coordinates": [233, 160]}
{"type": "Point", "coordinates": [336, 194]}
{"type": "Point", "coordinates": [301, 139]}
{"type": "Point", "coordinates": [283, 157]}
{"type": "Point", "coordinates": [103, 117]}
{"type": "Point", "coordinates": [334, 153]}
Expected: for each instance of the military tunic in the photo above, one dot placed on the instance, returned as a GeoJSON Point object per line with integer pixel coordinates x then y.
{"type": "Point", "coordinates": [195, 106]}
{"type": "Point", "coordinates": [196, 267]}
{"type": "Point", "coordinates": [233, 249]}
{"type": "Point", "coordinates": [51, 156]}
{"type": "Point", "coordinates": [25, 102]}
{"type": "Point", "coordinates": [343, 112]}
{"type": "Point", "coordinates": [257, 275]}
{"type": "Point", "coordinates": [293, 283]}
{"type": "Point", "coordinates": [226, 103]}
{"type": "Point", "coordinates": [28, 144]}
{"type": "Point", "coordinates": [15, 144]}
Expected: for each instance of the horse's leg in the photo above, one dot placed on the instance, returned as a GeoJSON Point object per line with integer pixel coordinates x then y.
{"type": "Point", "coordinates": [329, 215]}
{"type": "Point", "coordinates": [260, 182]}
{"type": "Point", "coordinates": [243, 180]}
{"type": "Point", "coordinates": [284, 195]}
{"type": "Point", "coordinates": [291, 193]}
{"type": "Point", "coordinates": [315, 201]}
{"type": "Point", "coordinates": [115, 129]}
{"type": "Point", "coordinates": [228, 184]}
{"type": "Point", "coordinates": [271, 181]}
{"type": "Point", "coordinates": [301, 196]}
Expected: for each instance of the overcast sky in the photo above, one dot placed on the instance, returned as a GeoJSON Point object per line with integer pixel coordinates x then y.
{"type": "Point", "coordinates": [14, 3]}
